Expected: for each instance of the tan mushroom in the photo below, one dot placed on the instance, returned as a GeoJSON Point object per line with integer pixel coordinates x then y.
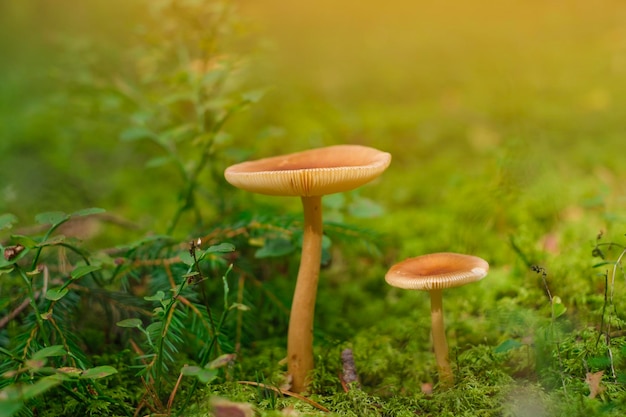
{"type": "Point", "coordinates": [310, 175]}
{"type": "Point", "coordinates": [434, 273]}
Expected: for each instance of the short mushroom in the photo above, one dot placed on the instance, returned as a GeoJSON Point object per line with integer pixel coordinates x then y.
{"type": "Point", "coordinates": [310, 175]}
{"type": "Point", "coordinates": [433, 273]}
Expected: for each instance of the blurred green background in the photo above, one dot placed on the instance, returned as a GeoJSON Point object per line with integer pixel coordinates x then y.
{"type": "Point", "coordinates": [503, 118]}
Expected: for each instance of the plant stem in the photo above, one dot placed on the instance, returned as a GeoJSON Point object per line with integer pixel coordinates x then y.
{"type": "Point", "coordinates": [45, 238]}
{"type": "Point", "coordinates": [204, 359]}
{"type": "Point", "coordinates": [300, 337]}
{"type": "Point", "coordinates": [33, 304]}
{"type": "Point", "coordinates": [191, 179]}
{"type": "Point", "coordinates": [446, 378]}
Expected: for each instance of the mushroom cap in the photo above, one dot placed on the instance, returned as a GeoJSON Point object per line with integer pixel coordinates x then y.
{"type": "Point", "coordinates": [316, 172]}
{"type": "Point", "coordinates": [437, 271]}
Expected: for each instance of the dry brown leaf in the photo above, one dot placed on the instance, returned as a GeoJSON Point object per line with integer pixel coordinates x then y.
{"type": "Point", "coordinates": [594, 379]}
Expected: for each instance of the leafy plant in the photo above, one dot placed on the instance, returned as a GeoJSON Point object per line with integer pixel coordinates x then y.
{"type": "Point", "coordinates": [177, 311]}
{"type": "Point", "coordinates": [185, 90]}
{"type": "Point", "coordinates": [179, 89]}
{"type": "Point", "coordinates": [45, 351]}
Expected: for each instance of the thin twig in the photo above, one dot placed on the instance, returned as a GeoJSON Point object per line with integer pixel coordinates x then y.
{"type": "Point", "coordinates": [614, 272]}
{"type": "Point", "coordinates": [170, 276]}
{"type": "Point", "coordinates": [613, 373]}
{"type": "Point", "coordinates": [170, 401]}
{"type": "Point", "coordinates": [541, 270]}
{"type": "Point", "coordinates": [238, 331]}
{"type": "Point", "coordinates": [13, 314]}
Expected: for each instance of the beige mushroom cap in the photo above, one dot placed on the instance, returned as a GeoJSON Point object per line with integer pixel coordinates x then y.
{"type": "Point", "coordinates": [316, 172]}
{"type": "Point", "coordinates": [437, 271]}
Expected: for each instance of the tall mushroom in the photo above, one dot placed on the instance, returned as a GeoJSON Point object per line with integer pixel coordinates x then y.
{"type": "Point", "coordinates": [310, 175]}
{"type": "Point", "coordinates": [434, 273]}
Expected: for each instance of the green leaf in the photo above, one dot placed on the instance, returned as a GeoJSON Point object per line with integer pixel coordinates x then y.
{"type": "Point", "coordinates": [25, 241]}
{"type": "Point", "coordinates": [178, 133]}
{"type": "Point", "coordinates": [178, 97]}
{"type": "Point", "coordinates": [159, 296]}
{"type": "Point", "coordinates": [222, 360]}
{"type": "Point", "coordinates": [211, 77]}
{"type": "Point", "coordinates": [207, 375]}
{"type": "Point", "coordinates": [190, 370]}
{"type": "Point", "coordinates": [7, 220]}
{"type": "Point", "coordinates": [155, 328]}
{"type": "Point", "coordinates": [158, 161]}
{"type": "Point", "coordinates": [203, 374]}
{"type": "Point", "coordinates": [39, 387]}
{"type": "Point", "coordinates": [83, 270]}
{"type": "Point", "coordinates": [204, 138]}
{"type": "Point", "coordinates": [3, 270]}
{"type": "Point", "coordinates": [222, 138]}
{"type": "Point", "coordinates": [129, 323]}
{"type": "Point", "coordinates": [136, 133]}
{"type": "Point", "coordinates": [253, 96]}
{"type": "Point", "coordinates": [275, 247]}
{"type": "Point", "coordinates": [221, 248]}
{"type": "Point", "coordinates": [507, 345]}
{"type": "Point", "coordinates": [35, 365]}
{"type": "Point", "coordinates": [239, 306]}
{"type": "Point", "coordinates": [68, 372]}
{"type": "Point", "coordinates": [55, 350]}
{"type": "Point", "coordinates": [34, 272]}
{"type": "Point", "coordinates": [558, 309]}
{"type": "Point", "coordinates": [103, 260]}
{"type": "Point", "coordinates": [54, 294]}
{"type": "Point", "coordinates": [51, 217]}
{"type": "Point", "coordinates": [186, 258]}
{"type": "Point", "coordinates": [98, 372]}
{"type": "Point", "coordinates": [88, 212]}
{"type": "Point", "coordinates": [10, 403]}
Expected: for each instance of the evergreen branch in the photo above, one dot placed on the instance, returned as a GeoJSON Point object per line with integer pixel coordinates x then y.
{"type": "Point", "coordinates": [61, 335]}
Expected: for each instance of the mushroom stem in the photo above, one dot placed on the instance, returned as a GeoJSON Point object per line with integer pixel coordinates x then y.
{"type": "Point", "coordinates": [300, 337]}
{"type": "Point", "coordinates": [446, 378]}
